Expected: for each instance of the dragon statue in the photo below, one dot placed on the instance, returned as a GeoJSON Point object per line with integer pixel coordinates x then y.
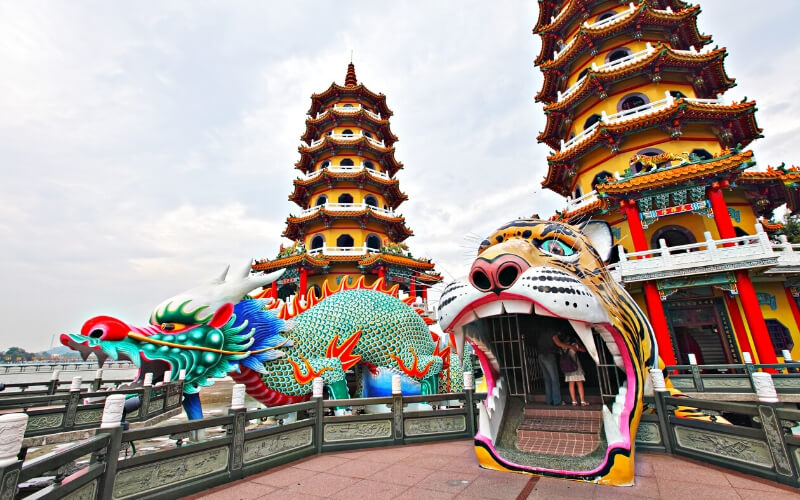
{"type": "Point", "coordinates": [276, 349]}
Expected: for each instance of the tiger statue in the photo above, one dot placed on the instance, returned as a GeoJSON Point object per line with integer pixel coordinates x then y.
{"type": "Point", "coordinates": [533, 268]}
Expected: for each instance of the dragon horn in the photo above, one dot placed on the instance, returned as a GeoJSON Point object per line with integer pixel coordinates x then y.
{"type": "Point", "coordinates": [221, 277]}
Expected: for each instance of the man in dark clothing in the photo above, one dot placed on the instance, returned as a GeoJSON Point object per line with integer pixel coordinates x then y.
{"type": "Point", "coordinates": [544, 330]}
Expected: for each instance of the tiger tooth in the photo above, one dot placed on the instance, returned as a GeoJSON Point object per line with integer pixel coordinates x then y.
{"type": "Point", "coordinates": [490, 309]}
{"type": "Point", "coordinates": [458, 334]}
{"type": "Point", "coordinates": [541, 311]}
{"type": "Point", "coordinates": [584, 331]}
{"type": "Point", "coordinates": [467, 318]}
{"type": "Point", "coordinates": [517, 306]}
{"type": "Point", "coordinates": [611, 427]}
{"type": "Point", "coordinates": [618, 361]}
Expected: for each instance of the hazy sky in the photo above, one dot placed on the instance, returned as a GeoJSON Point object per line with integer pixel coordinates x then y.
{"type": "Point", "coordinates": [144, 145]}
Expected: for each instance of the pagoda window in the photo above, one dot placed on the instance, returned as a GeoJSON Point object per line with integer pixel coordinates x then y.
{"type": "Point", "coordinates": [779, 334]}
{"type": "Point", "coordinates": [673, 236]}
{"type": "Point", "coordinates": [329, 132]}
{"type": "Point", "coordinates": [604, 16]}
{"type": "Point", "coordinates": [600, 178]}
{"type": "Point", "coordinates": [618, 54]}
{"type": "Point", "coordinates": [347, 162]}
{"type": "Point", "coordinates": [582, 74]}
{"type": "Point", "coordinates": [591, 121]}
{"type": "Point", "coordinates": [345, 198]}
{"type": "Point", "coordinates": [368, 134]}
{"type": "Point", "coordinates": [325, 164]}
{"type": "Point", "coordinates": [577, 193]}
{"type": "Point", "coordinates": [317, 241]}
{"type": "Point", "coordinates": [677, 94]}
{"type": "Point", "coordinates": [323, 199]}
{"type": "Point", "coordinates": [374, 242]}
{"type": "Point", "coordinates": [702, 154]}
{"type": "Point", "coordinates": [316, 290]}
{"type": "Point", "coordinates": [371, 201]}
{"type": "Point", "coordinates": [348, 105]}
{"type": "Point", "coordinates": [632, 101]}
{"type": "Point", "coordinates": [369, 165]}
{"type": "Point", "coordinates": [347, 131]}
{"type": "Point", "coordinates": [344, 241]}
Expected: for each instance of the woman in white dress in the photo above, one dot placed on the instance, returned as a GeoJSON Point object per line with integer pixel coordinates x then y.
{"type": "Point", "coordinates": [570, 347]}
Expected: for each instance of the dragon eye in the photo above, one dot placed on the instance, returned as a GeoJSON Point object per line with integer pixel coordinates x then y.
{"type": "Point", "coordinates": [557, 248]}
{"type": "Point", "coordinates": [172, 327]}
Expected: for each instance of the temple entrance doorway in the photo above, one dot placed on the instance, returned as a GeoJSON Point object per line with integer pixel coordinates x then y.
{"type": "Point", "coordinates": [700, 327]}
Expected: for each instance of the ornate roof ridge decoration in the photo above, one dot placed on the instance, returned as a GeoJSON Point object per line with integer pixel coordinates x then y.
{"type": "Point", "coordinates": [770, 227]}
{"type": "Point", "coordinates": [680, 111]}
{"type": "Point", "coordinates": [599, 205]}
{"type": "Point", "coordinates": [391, 258]}
{"type": "Point", "coordinates": [359, 144]}
{"type": "Point", "coordinates": [351, 89]}
{"type": "Point", "coordinates": [547, 7]}
{"type": "Point", "coordinates": [351, 175]}
{"type": "Point", "coordinates": [340, 116]}
{"type": "Point", "coordinates": [686, 171]}
{"type": "Point", "coordinates": [269, 265]}
{"type": "Point", "coordinates": [339, 214]}
{"type": "Point", "coordinates": [781, 172]}
{"type": "Point", "coordinates": [391, 187]}
{"type": "Point", "coordinates": [396, 226]}
{"type": "Point", "coordinates": [665, 56]}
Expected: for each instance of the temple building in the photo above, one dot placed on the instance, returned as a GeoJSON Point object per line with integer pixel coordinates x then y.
{"type": "Point", "coordinates": [348, 226]}
{"type": "Point", "coordinates": [643, 137]}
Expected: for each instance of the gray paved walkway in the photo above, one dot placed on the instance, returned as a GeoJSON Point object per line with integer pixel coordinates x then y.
{"type": "Point", "coordinates": [449, 470]}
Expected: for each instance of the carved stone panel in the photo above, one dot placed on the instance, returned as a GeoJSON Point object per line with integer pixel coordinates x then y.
{"type": "Point", "coordinates": [88, 416]}
{"type": "Point", "coordinates": [137, 481]}
{"type": "Point", "coordinates": [238, 441]}
{"type": "Point", "coordinates": [786, 383]}
{"type": "Point", "coordinates": [275, 444]}
{"type": "Point", "coordinates": [434, 425]}
{"type": "Point", "coordinates": [726, 383]}
{"type": "Point", "coordinates": [173, 400]}
{"type": "Point", "coordinates": [154, 406]}
{"type": "Point", "coordinates": [85, 492]}
{"type": "Point", "coordinates": [738, 448]}
{"type": "Point", "coordinates": [682, 383]}
{"type": "Point", "coordinates": [50, 421]}
{"type": "Point", "coordinates": [8, 488]}
{"type": "Point", "coordinates": [773, 432]}
{"type": "Point", "coordinates": [353, 431]}
{"type": "Point", "coordinates": [648, 433]}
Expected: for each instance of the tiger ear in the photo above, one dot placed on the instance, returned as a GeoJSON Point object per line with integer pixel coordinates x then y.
{"type": "Point", "coordinates": [598, 232]}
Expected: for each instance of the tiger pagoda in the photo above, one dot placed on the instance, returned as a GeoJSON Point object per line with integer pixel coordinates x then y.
{"type": "Point", "coordinates": [643, 137]}
{"type": "Point", "coordinates": [348, 226]}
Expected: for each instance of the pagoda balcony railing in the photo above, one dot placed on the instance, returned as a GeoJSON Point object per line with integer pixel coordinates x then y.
{"type": "Point", "coordinates": [345, 169]}
{"type": "Point", "coordinates": [345, 137]}
{"type": "Point", "coordinates": [743, 252]}
{"type": "Point", "coordinates": [349, 109]}
{"type": "Point", "coordinates": [348, 207]}
{"type": "Point", "coordinates": [788, 257]}
{"type": "Point", "coordinates": [611, 20]}
{"type": "Point", "coordinates": [638, 111]}
{"type": "Point", "coordinates": [343, 250]}
{"type": "Point", "coordinates": [581, 202]}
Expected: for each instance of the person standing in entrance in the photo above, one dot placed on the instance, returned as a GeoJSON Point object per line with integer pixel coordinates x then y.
{"type": "Point", "coordinates": [548, 360]}
{"type": "Point", "coordinates": [571, 347]}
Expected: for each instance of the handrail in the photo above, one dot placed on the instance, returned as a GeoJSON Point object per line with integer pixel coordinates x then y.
{"type": "Point", "coordinates": [610, 20]}
{"type": "Point", "coordinates": [580, 202]}
{"type": "Point", "coordinates": [345, 137]}
{"type": "Point", "coordinates": [343, 250]}
{"type": "Point", "coordinates": [345, 169]}
{"type": "Point", "coordinates": [347, 207]}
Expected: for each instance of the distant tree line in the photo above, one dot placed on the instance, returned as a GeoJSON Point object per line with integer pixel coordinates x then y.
{"type": "Point", "coordinates": [18, 354]}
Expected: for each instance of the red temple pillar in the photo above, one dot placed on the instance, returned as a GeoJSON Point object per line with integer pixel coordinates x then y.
{"type": "Point", "coordinates": [793, 306]}
{"type": "Point", "coordinates": [425, 293]}
{"type": "Point", "coordinates": [382, 275]}
{"type": "Point", "coordinates": [655, 308]}
{"type": "Point", "coordinates": [412, 285]}
{"type": "Point", "coordinates": [303, 282]}
{"type": "Point", "coordinates": [274, 288]}
{"type": "Point", "coordinates": [747, 293]}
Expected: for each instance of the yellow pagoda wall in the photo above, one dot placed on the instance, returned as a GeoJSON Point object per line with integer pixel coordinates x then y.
{"type": "Point", "coordinates": [358, 194]}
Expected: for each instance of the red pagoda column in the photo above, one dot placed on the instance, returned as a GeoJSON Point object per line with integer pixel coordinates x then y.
{"type": "Point", "coordinates": [412, 286]}
{"type": "Point", "coordinates": [655, 308]}
{"type": "Point", "coordinates": [382, 275]}
{"type": "Point", "coordinates": [793, 306]}
{"type": "Point", "coordinates": [425, 294]}
{"type": "Point", "coordinates": [274, 288]}
{"type": "Point", "coordinates": [747, 293]}
{"type": "Point", "coordinates": [303, 282]}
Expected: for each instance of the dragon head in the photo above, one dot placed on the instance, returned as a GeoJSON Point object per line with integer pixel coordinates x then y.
{"type": "Point", "coordinates": [206, 331]}
{"type": "Point", "coordinates": [526, 271]}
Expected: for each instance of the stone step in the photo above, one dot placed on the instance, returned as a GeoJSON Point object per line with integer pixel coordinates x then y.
{"type": "Point", "coordinates": [572, 446]}
{"type": "Point", "coordinates": [593, 411]}
{"type": "Point", "coordinates": [582, 425]}
{"type": "Point", "coordinates": [566, 431]}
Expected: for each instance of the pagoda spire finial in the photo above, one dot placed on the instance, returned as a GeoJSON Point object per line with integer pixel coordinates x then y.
{"type": "Point", "coordinates": [350, 80]}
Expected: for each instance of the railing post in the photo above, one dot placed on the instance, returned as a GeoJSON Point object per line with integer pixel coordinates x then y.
{"type": "Point", "coordinates": [771, 425]}
{"type": "Point", "coordinates": [72, 403]}
{"type": "Point", "coordinates": [666, 257]}
{"type": "Point", "coordinates": [147, 386]}
{"type": "Point", "coordinates": [469, 403]}
{"type": "Point", "coordinates": [711, 246]}
{"type": "Point", "coordinates": [397, 408]}
{"type": "Point", "coordinates": [239, 413]}
{"type": "Point", "coordinates": [659, 391]}
{"type": "Point", "coordinates": [698, 380]}
{"type": "Point", "coordinates": [98, 380]}
{"type": "Point", "coordinates": [12, 428]}
{"type": "Point", "coordinates": [319, 427]}
{"type": "Point", "coordinates": [111, 425]}
{"type": "Point", "coordinates": [53, 382]}
{"type": "Point", "coordinates": [749, 368]}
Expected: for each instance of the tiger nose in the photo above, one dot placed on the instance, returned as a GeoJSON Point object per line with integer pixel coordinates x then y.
{"type": "Point", "coordinates": [497, 274]}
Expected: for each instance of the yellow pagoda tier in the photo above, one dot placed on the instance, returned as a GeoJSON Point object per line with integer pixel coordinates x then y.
{"type": "Point", "coordinates": [348, 226]}
{"type": "Point", "coordinates": [643, 137]}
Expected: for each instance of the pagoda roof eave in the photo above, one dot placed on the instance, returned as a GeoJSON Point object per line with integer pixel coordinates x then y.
{"type": "Point", "coordinates": [292, 260]}
{"type": "Point", "coordinates": [782, 185]}
{"type": "Point", "coordinates": [336, 91]}
{"type": "Point", "coordinates": [682, 110]}
{"type": "Point", "coordinates": [315, 125]}
{"type": "Point", "coordinates": [545, 23]}
{"type": "Point", "coordinates": [599, 205]}
{"type": "Point", "coordinates": [728, 162]}
{"type": "Point", "coordinates": [397, 224]}
{"type": "Point", "coordinates": [391, 188]}
{"type": "Point", "coordinates": [360, 144]}
{"type": "Point", "coordinates": [398, 260]}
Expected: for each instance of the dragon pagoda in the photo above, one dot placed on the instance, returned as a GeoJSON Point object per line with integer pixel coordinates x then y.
{"type": "Point", "coordinates": [643, 137]}
{"type": "Point", "coordinates": [348, 226]}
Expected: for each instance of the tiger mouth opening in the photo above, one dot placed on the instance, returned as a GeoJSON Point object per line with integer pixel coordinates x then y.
{"type": "Point", "coordinates": [502, 411]}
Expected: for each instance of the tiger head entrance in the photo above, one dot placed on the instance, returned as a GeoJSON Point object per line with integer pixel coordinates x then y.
{"type": "Point", "coordinates": [515, 338]}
